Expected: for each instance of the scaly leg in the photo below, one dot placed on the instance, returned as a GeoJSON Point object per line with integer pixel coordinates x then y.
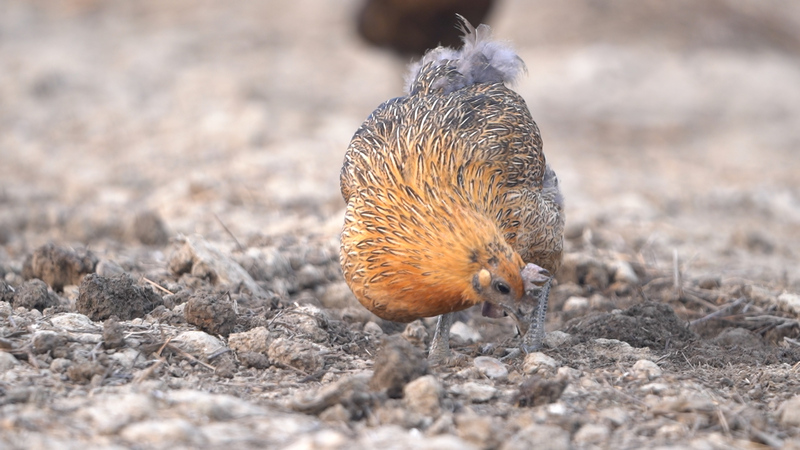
{"type": "Point", "coordinates": [533, 339]}
{"type": "Point", "coordinates": [440, 345]}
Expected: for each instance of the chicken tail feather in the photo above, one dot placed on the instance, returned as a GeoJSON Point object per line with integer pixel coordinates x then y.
{"type": "Point", "coordinates": [480, 60]}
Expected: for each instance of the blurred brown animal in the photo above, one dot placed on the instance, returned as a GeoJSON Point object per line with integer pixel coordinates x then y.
{"type": "Point", "coordinates": [449, 196]}
{"type": "Point", "coordinates": [410, 27]}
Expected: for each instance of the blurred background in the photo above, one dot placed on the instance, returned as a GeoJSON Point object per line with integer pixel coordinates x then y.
{"type": "Point", "coordinates": [673, 126]}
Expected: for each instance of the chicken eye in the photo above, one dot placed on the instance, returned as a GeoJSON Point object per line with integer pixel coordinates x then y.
{"type": "Point", "coordinates": [502, 288]}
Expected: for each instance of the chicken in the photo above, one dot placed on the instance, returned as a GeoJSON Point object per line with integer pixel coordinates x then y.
{"type": "Point", "coordinates": [450, 202]}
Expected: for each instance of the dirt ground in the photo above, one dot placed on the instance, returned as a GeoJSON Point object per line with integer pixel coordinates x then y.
{"type": "Point", "coordinates": [170, 210]}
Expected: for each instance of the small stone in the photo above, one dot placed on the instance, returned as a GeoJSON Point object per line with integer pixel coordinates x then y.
{"type": "Point", "coordinates": [709, 282]}
{"type": "Point", "coordinates": [149, 229]}
{"type": "Point", "coordinates": [107, 268]}
{"type": "Point", "coordinates": [475, 392]}
{"type": "Point", "coordinates": [58, 266]}
{"type": "Point", "coordinates": [335, 414]}
{"type": "Point", "coordinates": [310, 276]}
{"type": "Point", "coordinates": [373, 329]}
{"type": "Point", "coordinates": [73, 322]}
{"type": "Point", "coordinates": [254, 360]}
{"type": "Point", "coordinates": [575, 303]}
{"type": "Point", "coordinates": [255, 340]}
{"type": "Point", "coordinates": [299, 354]}
{"type": "Point", "coordinates": [789, 412]}
{"type": "Point", "coordinates": [646, 369]}
{"type": "Point", "coordinates": [537, 391]}
{"type": "Point", "coordinates": [310, 321]}
{"type": "Point", "coordinates": [45, 340]}
{"type": "Point", "coordinates": [623, 272]}
{"type": "Point", "coordinates": [60, 365]}
{"type": "Point", "coordinates": [568, 373]}
{"type": "Point", "coordinates": [126, 357]}
{"type": "Point", "coordinates": [416, 333]}
{"type": "Point", "coordinates": [556, 339]}
{"type": "Point", "coordinates": [113, 336]}
{"type": "Point", "coordinates": [491, 367]}
{"type": "Point", "coordinates": [198, 343]}
{"type": "Point", "coordinates": [7, 361]}
{"type": "Point", "coordinates": [616, 416]}
{"type": "Point", "coordinates": [464, 334]}
{"type": "Point", "coordinates": [397, 363]}
{"type": "Point", "coordinates": [789, 302]}
{"type": "Point", "coordinates": [34, 294]}
{"type": "Point", "coordinates": [424, 395]}
{"type": "Point", "coordinates": [212, 313]}
{"type": "Point", "coordinates": [550, 437]}
{"type": "Point", "coordinates": [338, 296]}
{"type": "Point", "coordinates": [592, 434]}
{"type": "Point", "coordinates": [101, 298]}
{"type": "Point", "coordinates": [538, 363]}
{"type": "Point", "coordinates": [479, 430]}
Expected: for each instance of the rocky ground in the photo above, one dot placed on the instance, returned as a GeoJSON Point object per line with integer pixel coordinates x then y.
{"type": "Point", "coordinates": [169, 211]}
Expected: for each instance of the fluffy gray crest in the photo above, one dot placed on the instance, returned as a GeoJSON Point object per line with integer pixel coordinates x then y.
{"type": "Point", "coordinates": [480, 60]}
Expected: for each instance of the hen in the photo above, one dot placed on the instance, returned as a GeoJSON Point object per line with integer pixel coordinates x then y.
{"type": "Point", "coordinates": [450, 202]}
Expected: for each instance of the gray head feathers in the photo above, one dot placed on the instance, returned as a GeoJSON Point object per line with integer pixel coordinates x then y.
{"type": "Point", "coordinates": [480, 60]}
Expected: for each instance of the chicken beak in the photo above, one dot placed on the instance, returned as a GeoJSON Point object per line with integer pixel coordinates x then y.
{"type": "Point", "coordinates": [527, 311]}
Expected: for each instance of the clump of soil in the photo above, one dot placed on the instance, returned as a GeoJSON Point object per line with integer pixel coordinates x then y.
{"type": "Point", "coordinates": [34, 294]}
{"type": "Point", "coordinates": [653, 325]}
{"type": "Point", "coordinates": [397, 363]}
{"type": "Point", "coordinates": [58, 266]}
{"type": "Point", "coordinates": [212, 313]}
{"type": "Point", "coordinates": [102, 297]}
{"type": "Point", "coordinates": [149, 229]}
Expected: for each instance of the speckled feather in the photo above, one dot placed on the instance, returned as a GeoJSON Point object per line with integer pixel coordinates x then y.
{"type": "Point", "coordinates": [444, 181]}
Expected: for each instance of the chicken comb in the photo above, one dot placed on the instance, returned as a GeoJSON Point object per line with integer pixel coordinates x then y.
{"type": "Point", "coordinates": [480, 60]}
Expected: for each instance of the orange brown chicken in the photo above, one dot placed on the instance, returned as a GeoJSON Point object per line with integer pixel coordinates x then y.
{"type": "Point", "coordinates": [450, 202]}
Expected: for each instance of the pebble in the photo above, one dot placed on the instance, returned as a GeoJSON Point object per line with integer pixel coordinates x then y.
{"type": "Point", "coordinates": [424, 395]}
{"type": "Point", "coordinates": [396, 364]}
{"type": "Point", "coordinates": [576, 304]}
{"type": "Point", "coordinates": [416, 333]}
{"type": "Point", "coordinates": [198, 343]}
{"type": "Point", "coordinates": [464, 333]}
{"type": "Point", "coordinates": [308, 320]}
{"type": "Point", "coordinates": [475, 392]}
{"type": "Point", "coordinates": [790, 412]}
{"type": "Point", "coordinates": [45, 340]}
{"type": "Point", "coordinates": [646, 369]}
{"type": "Point", "coordinates": [539, 436]}
{"type": "Point", "coordinates": [7, 361]}
{"type": "Point", "coordinates": [623, 272]}
{"type": "Point", "coordinates": [254, 340]}
{"type": "Point", "coordinates": [338, 296]}
{"type": "Point", "coordinates": [373, 329]}
{"type": "Point", "coordinates": [592, 434]}
{"type": "Point", "coordinates": [616, 416]}
{"type": "Point", "coordinates": [73, 322]}
{"type": "Point", "coordinates": [491, 367]}
{"type": "Point", "coordinates": [479, 430]}
{"type": "Point", "coordinates": [538, 363]}
{"type": "Point", "coordinates": [296, 353]}
{"type": "Point", "coordinates": [556, 339]}
{"type": "Point", "coordinates": [568, 373]}
{"type": "Point", "coordinates": [789, 302]}
{"type": "Point", "coordinates": [126, 357]}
